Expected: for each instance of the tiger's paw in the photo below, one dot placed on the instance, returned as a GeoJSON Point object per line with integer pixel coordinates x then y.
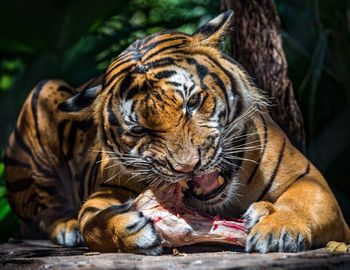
{"type": "Point", "coordinates": [136, 233]}
{"type": "Point", "coordinates": [272, 230]}
{"type": "Point", "coordinates": [66, 233]}
{"type": "Point", "coordinates": [256, 212]}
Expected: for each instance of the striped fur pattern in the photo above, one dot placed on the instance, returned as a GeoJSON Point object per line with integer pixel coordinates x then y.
{"type": "Point", "coordinates": [170, 107]}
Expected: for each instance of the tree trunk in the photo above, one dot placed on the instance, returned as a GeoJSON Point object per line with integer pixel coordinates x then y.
{"type": "Point", "coordinates": [257, 45]}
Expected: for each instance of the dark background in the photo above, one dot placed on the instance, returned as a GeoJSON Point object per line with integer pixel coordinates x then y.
{"type": "Point", "coordinates": [76, 40]}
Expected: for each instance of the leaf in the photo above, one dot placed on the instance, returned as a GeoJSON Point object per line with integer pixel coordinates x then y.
{"type": "Point", "coordinates": [2, 168]}
{"type": "Point", "coordinates": [5, 208]}
{"type": "Point", "coordinates": [4, 205]}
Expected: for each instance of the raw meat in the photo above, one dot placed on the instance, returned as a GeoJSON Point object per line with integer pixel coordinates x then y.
{"type": "Point", "coordinates": [179, 225]}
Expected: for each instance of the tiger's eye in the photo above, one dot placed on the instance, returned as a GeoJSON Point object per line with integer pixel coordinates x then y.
{"type": "Point", "coordinates": [193, 101]}
{"type": "Point", "coordinates": [137, 131]}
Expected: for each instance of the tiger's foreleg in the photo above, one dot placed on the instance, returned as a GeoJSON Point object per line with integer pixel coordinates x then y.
{"type": "Point", "coordinates": [305, 215]}
{"type": "Point", "coordinates": [35, 199]}
{"type": "Point", "coordinates": [57, 212]}
{"type": "Point", "coordinates": [43, 208]}
{"type": "Point", "coordinates": [109, 224]}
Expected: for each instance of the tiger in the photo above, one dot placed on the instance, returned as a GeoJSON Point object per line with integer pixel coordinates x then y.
{"type": "Point", "coordinates": [171, 106]}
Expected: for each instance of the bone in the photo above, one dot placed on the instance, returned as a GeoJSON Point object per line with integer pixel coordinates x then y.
{"type": "Point", "coordinates": [178, 225]}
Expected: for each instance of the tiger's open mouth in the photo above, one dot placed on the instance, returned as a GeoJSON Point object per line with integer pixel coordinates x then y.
{"type": "Point", "coordinates": [206, 186]}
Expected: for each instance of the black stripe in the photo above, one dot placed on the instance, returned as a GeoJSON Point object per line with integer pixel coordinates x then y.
{"type": "Point", "coordinates": [151, 245]}
{"type": "Point", "coordinates": [25, 148]}
{"type": "Point", "coordinates": [238, 107]}
{"type": "Point", "coordinates": [275, 171]}
{"type": "Point", "coordinates": [64, 88]}
{"type": "Point", "coordinates": [50, 189]}
{"type": "Point", "coordinates": [113, 121]}
{"type": "Point", "coordinates": [157, 43]}
{"type": "Point", "coordinates": [262, 152]}
{"type": "Point", "coordinates": [119, 187]}
{"type": "Point", "coordinates": [203, 102]}
{"type": "Point", "coordinates": [137, 226]}
{"type": "Point", "coordinates": [125, 84]}
{"type": "Point", "coordinates": [60, 132]}
{"type": "Point", "coordinates": [176, 46]}
{"type": "Point", "coordinates": [228, 74]}
{"type": "Point", "coordinates": [114, 138]}
{"type": "Point", "coordinates": [306, 171]}
{"type": "Point", "coordinates": [221, 84]}
{"type": "Point", "coordinates": [34, 106]}
{"type": "Point", "coordinates": [213, 111]}
{"type": "Point", "coordinates": [111, 80]}
{"type": "Point", "coordinates": [33, 198]}
{"type": "Point", "coordinates": [202, 70]}
{"type": "Point", "coordinates": [19, 185]}
{"type": "Point", "coordinates": [232, 81]}
{"type": "Point", "coordinates": [20, 142]}
{"type": "Point", "coordinates": [112, 118]}
{"type": "Point", "coordinates": [103, 195]}
{"type": "Point", "coordinates": [93, 174]}
{"type": "Point", "coordinates": [82, 179]}
{"type": "Point", "coordinates": [132, 92]}
{"type": "Point", "coordinates": [85, 125]}
{"type": "Point", "coordinates": [88, 210]}
{"type": "Point", "coordinates": [112, 68]}
{"type": "Point", "coordinates": [104, 135]}
{"type": "Point", "coordinates": [105, 215]}
{"type": "Point", "coordinates": [8, 161]}
{"type": "Point", "coordinates": [71, 140]}
{"type": "Point", "coordinates": [175, 84]}
{"type": "Point", "coordinates": [165, 74]}
{"type": "Point", "coordinates": [113, 210]}
{"type": "Point", "coordinates": [162, 62]}
{"type": "Point", "coordinates": [206, 126]}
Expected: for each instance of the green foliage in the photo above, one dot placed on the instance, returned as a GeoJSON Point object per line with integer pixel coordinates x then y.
{"type": "Point", "coordinates": [8, 221]}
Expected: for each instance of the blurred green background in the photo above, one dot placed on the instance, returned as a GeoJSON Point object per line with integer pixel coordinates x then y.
{"type": "Point", "coordinates": [76, 40]}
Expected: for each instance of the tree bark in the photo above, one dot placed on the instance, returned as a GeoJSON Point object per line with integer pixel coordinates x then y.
{"type": "Point", "coordinates": [257, 45]}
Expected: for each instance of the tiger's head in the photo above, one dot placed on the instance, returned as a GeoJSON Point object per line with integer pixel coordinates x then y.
{"type": "Point", "coordinates": [169, 108]}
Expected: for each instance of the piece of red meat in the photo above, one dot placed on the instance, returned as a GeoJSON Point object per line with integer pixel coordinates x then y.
{"type": "Point", "coordinates": [179, 225]}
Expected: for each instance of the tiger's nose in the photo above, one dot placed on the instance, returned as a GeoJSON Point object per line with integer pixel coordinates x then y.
{"type": "Point", "coordinates": [188, 166]}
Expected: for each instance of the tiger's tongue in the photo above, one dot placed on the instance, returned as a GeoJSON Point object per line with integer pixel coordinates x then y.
{"type": "Point", "coordinates": [207, 182]}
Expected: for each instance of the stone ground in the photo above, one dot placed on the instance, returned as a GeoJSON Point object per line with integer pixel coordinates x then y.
{"type": "Point", "coordinates": [40, 254]}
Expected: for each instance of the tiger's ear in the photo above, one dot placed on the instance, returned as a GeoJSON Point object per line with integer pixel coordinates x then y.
{"type": "Point", "coordinates": [211, 33]}
{"type": "Point", "coordinates": [81, 104]}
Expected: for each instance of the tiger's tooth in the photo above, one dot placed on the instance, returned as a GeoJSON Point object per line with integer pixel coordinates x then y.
{"type": "Point", "coordinates": [183, 184]}
{"type": "Point", "coordinates": [220, 180]}
{"type": "Point", "coordinates": [198, 190]}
